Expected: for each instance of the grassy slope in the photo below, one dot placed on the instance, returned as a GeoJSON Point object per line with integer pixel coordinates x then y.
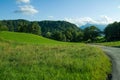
{"type": "Point", "coordinates": [25, 38]}
{"type": "Point", "coordinates": [61, 61]}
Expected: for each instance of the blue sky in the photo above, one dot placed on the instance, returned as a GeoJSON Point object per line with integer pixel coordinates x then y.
{"type": "Point", "coordinates": [75, 11]}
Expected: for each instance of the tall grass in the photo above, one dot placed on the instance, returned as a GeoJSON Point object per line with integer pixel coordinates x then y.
{"type": "Point", "coordinates": [60, 61]}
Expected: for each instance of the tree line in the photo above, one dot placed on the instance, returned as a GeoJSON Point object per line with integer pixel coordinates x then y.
{"type": "Point", "coordinates": [58, 30]}
{"type": "Point", "coordinates": [112, 32]}
{"type": "Point", "coordinates": [62, 30]}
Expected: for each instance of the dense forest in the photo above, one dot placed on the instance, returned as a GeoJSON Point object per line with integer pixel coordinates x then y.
{"type": "Point", "coordinates": [58, 30]}
{"type": "Point", "coordinates": [112, 32]}
{"type": "Point", "coordinates": [62, 30]}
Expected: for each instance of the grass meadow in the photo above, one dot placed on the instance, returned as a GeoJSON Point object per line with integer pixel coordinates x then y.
{"type": "Point", "coordinates": [112, 44]}
{"type": "Point", "coordinates": [29, 57]}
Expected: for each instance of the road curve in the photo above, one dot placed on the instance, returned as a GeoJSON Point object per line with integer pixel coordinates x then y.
{"type": "Point", "coordinates": [114, 54]}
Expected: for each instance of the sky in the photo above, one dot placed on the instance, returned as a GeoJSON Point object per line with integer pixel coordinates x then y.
{"type": "Point", "coordinates": [79, 12]}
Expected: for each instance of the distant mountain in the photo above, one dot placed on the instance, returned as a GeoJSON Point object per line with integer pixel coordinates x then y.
{"type": "Point", "coordinates": [100, 26]}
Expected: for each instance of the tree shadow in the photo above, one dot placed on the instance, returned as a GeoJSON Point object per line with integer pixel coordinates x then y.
{"type": "Point", "coordinates": [109, 77]}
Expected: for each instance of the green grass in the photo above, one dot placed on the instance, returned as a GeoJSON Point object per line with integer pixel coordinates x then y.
{"type": "Point", "coordinates": [60, 61]}
{"type": "Point", "coordinates": [25, 38]}
{"type": "Point", "coordinates": [113, 44]}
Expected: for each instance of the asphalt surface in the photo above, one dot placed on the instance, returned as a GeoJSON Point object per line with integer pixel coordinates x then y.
{"type": "Point", "coordinates": [114, 54]}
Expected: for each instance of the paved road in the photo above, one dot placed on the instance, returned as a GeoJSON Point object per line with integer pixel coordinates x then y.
{"type": "Point", "coordinates": [114, 54]}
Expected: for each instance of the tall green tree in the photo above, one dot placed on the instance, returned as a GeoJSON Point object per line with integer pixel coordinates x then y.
{"type": "Point", "coordinates": [3, 27]}
{"type": "Point", "coordinates": [22, 26]}
{"type": "Point", "coordinates": [68, 35]}
{"type": "Point", "coordinates": [77, 36]}
{"type": "Point", "coordinates": [91, 33]}
{"type": "Point", "coordinates": [48, 34]}
{"type": "Point", "coordinates": [112, 32]}
{"type": "Point", "coordinates": [34, 28]}
{"type": "Point", "coordinates": [58, 36]}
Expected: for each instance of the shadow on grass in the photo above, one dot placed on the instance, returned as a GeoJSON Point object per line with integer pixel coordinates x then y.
{"type": "Point", "coordinates": [109, 77]}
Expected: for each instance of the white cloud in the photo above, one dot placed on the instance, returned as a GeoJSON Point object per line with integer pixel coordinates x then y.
{"type": "Point", "coordinates": [50, 16]}
{"type": "Point", "coordinates": [27, 9]}
{"type": "Point", "coordinates": [82, 21]}
{"type": "Point", "coordinates": [23, 1]}
{"type": "Point", "coordinates": [79, 21]}
{"type": "Point", "coordinates": [106, 19]}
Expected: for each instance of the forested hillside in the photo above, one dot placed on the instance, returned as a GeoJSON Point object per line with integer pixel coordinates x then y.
{"type": "Point", "coordinates": [61, 30]}
{"type": "Point", "coordinates": [58, 30]}
{"type": "Point", "coordinates": [112, 32]}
